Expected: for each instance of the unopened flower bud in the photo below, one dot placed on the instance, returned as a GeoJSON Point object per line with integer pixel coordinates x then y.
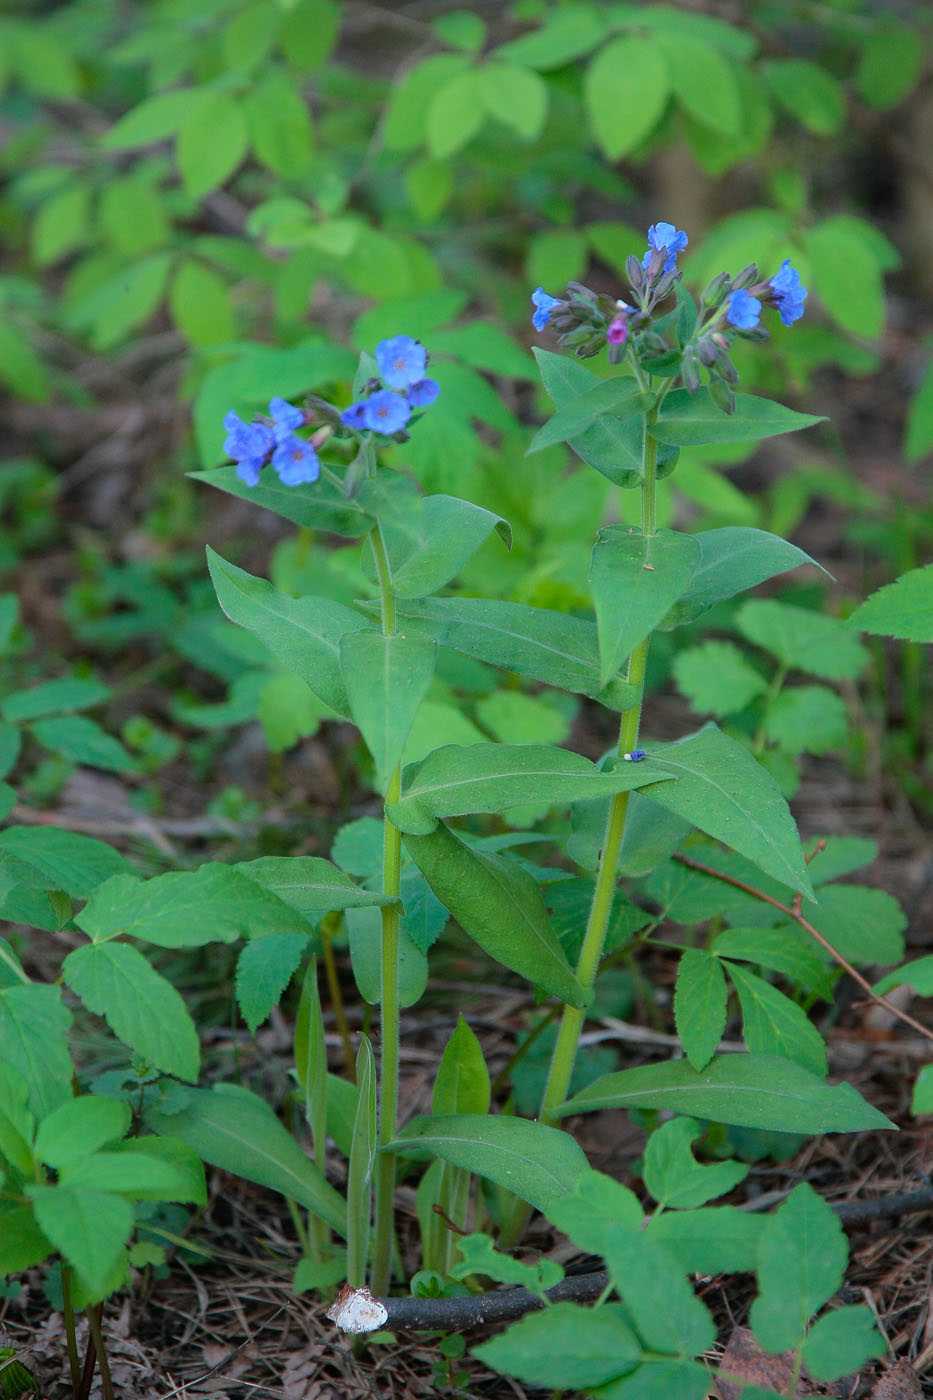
{"type": "Point", "coordinates": [717, 291]}
{"type": "Point", "coordinates": [723, 396]}
{"type": "Point", "coordinates": [707, 351]}
{"type": "Point", "coordinates": [634, 272]}
{"type": "Point", "coordinates": [690, 370]}
{"type": "Point", "coordinates": [746, 277]}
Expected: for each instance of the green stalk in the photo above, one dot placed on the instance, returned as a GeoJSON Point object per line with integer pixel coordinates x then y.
{"type": "Point", "coordinates": [572, 1018]}
{"type": "Point", "coordinates": [389, 1052]}
{"type": "Point", "coordinates": [70, 1334]}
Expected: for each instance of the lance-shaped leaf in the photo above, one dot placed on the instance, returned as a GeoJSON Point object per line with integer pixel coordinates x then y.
{"type": "Point", "coordinates": [539, 1164]}
{"type": "Point", "coordinates": [429, 539]}
{"type": "Point", "coordinates": [499, 906]}
{"type": "Point", "coordinates": [302, 633]}
{"type": "Point", "coordinates": [455, 780]}
{"type": "Point", "coordinates": [751, 1091]}
{"type": "Point", "coordinates": [732, 559]}
{"type": "Point", "coordinates": [309, 884]}
{"type": "Point", "coordinates": [687, 420]}
{"type": "Point", "coordinates": [360, 1170]}
{"type": "Point", "coordinates": [724, 791]}
{"type": "Point", "coordinates": [318, 506]}
{"type": "Point", "coordinates": [634, 580]}
{"type": "Point", "coordinates": [386, 680]}
{"type": "Point", "coordinates": [234, 1129]}
{"type": "Point", "coordinates": [613, 446]}
{"type": "Point", "coordinates": [545, 646]}
{"type": "Point", "coordinates": [617, 398]}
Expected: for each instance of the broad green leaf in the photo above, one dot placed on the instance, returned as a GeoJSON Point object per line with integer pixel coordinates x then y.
{"type": "Point", "coordinates": [716, 678]}
{"type": "Point", "coordinates": [890, 60]}
{"type": "Point", "coordinates": [513, 717]}
{"type": "Point", "coordinates": [673, 1175]}
{"type": "Point", "coordinates": [34, 1023]}
{"type": "Point", "coordinates": [808, 93]}
{"type": "Point", "coordinates": [665, 19]}
{"type": "Point", "coordinates": [10, 744]}
{"type": "Point", "coordinates": [625, 89]}
{"type": "Point", "coordinates": [186, 909]}
{"type": "Point", "coordinates": [131, 214]}
{"type": "Point", "coordinates": [125, 300]}
{"type": "Point", "coordinates": [21, 369]}
{"type": "Point", "coordinates": [499, 906]}
{"type": "Point", "coordinates": [803, 639]}
{"type": "Point", "coordinates": [779, 950]}
{"type": "Point", "coordinates": [234, 1129]}
{"type": "Point", "coordinates": [613, 398]}
{"type": "Point", "coordinates": [726, 793]}
{"type": "Point", "coordinates": [566, 33]}
{"type": "Point", "coordinates": [462, 29]}
{"type": "Point", "coordinates": [919, 430]}
{"type": "Point", "coordinates": [847, 273]}
{"type": "Point", "coordinates": [320, 506]}
{"type": "Point", "coordinates": [484, 345]}
{"type": "Point", "coordinates": [903, 608]}
{"type": "Point", "coordinates": [462, 1082]}
{"type": "Point", "coordinates": [553, 259]}
{"type": "Point", "coordinates": [807, 719]}
{"type": "Point", "coordinates": [303, 633]}
{"type": "Point", "coordinates": [515, 96]}
{"type": "Point", "coordinates": [596, 1201]}
{"type": "Point", "coordinates": [688, 420]}
{"type": "Point", "coordinates": [365, 935]}
{"type": "Point", "coordinates": [423, 314]}
{"type": "Point", "coordinates": [545, 646]}
{"type": "Point", "coordinates": [360, 1168]}
{"type": "Point", "coordinates": [175, 1171]}
{"type": "Point", "coordinates": [479, 1256]}
{"type": "Point", "coordinates": [80, 740]}
{"type": "Point", "coordinates": [263, 971]}
{"type": "Point", "coordinates": [61, 224]}
{"type": "Point", "coordinates": [455, 781]}
{"type": "Point", "coordinates": [80, 1126]}
{"type": "Point", "coordinates": [138, 1175]}
{"type": "Point", "coordinates": [917, 974]}
{"type": "Point", "coordinates": [17, 1124]}
{"type": "Point", "coordinates": [922, 1100]}
{"type": "Point", "coordinates": [537, 1163]}
{"type": "Point", "coordinates": [142, 1008]}
{"type": "Point", "coordinates": [154, 119]}
{"type": "Point", "coordinates": [841, 1342]}
{"type": "Point", "coordinates": [566, 1345]}
{"type": "Point", "coordinates": [713, 1240]}
{"type": "Point", "coordinates": [634, 580]}
{"type": "Point", "coordinates": [311, 884]}
{"type": "Point", "coordinates": [22, 1243]}
{"type": "Point", "coordinates": [386, 679]}
{"type": "Point", "coordinates": [772, 1024]}
{"type": "Point", "coordinates": [661, 1302]}
{"type": "Point", "coordinates": [455, 113]}
{"type": "Point", "coordinates": [612, 446]}
{"type": "Point", "coordinates": [801, 1263]}
{"type": "Point", "coordinates": [732, 559]}
{"type": "Point", "coordinates": [88, 1227]}
{"type": "Point", "coordinates": [425, 916]}
{"type": "Point", "coordinates": [864, 925]}
{"type": "Point", "coordinates": [651, 835]}
{"type": "Point", "coordinates": [406, 113]}
{"type": "Point", "coordinates": [279, 123]}
{"type": "Point", "coordinates": [201, 305]}
{"type": "Point", "coordinates": [700, 1006]}
{"type": "Point", "coordinates": [212, 141]}
{"type": "Point", "coordinates": [704, 81]}
{"type": "Point", "coordinates": [54, 698]}
{"type": "Point", "coordinates": [751, 1091]}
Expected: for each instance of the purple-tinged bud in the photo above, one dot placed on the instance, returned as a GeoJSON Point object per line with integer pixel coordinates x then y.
{"type": "Point", "coordinates": [634, 272]}
{"type": "Point", "coordinates": [745, 278]}
{"type": "Point", "coordinates": [617, 331]}
{"type": "Point", "coordinates": [707, 351]}
{"type": "Point", "coordinates": [690, 370]}
{"type": "Point", "coordinates": [717, 291]}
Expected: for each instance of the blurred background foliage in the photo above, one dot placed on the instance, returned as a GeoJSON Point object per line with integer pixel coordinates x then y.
{"type": "Point", "coordinates": [207, 202]}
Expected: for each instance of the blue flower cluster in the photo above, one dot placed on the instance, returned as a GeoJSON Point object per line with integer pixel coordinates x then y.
{"type": "Point", "coordinates": [252, 445]}
{"type": "Point", "coordinates": [402, 363]}
{"type": "Point", "coordinates": [783, 291]}
{"type": "Point", "coordinates": [665, 238]}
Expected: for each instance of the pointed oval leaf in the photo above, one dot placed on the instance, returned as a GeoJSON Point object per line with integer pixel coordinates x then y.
{"type": "Point", "coordinates": [626, 88]}
{"type": "Point", "coordinates": [386, 679]}
{"type": "Point", "coordinates": [320, 506]}
{"type": "Point", "coordinates": [687, 420]}
{"type": "Point", "coordinates": [700, 1005]}
{"type": "Point", "coordinates": [634, 580]}
{"type": "Point", "coordinates": [732, 559]}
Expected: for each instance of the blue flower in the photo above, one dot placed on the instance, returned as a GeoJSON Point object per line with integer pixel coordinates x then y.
{"type": "Point", "coordinates": [249, 444]}
{"type": "Point", "coordinates": [424, 392]}
{"type": "Point", "coordinates": [666, 238]}
{"type": "Point", "coordinates": [744, 310]}
{"type": "Point", "coordinates": [355, 415]}
{"type": "Point", "coordinates": [787, 293]}
{"type": "Point", "coordinates": [545, 304]}
{"type": "Point", "coordinates": [385, 412]}
{"type": "Point", "coordinates": [285, 417]}
{"type": "Point", "coordinates": [401, 361]}
{"type": "Point", "coordinates": [295, 460]}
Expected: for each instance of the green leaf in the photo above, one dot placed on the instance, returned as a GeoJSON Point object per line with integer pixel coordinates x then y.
{"type": "Point", "coordinates": [462, 30]}
{"type": "Point", "coordinates": [545, 646]}
{"type": "Point", "coordinates": [513, 717]}
{"type": "Point", "coordinates": [554, 258]}
{"type": "Point", "coordinates": [311, 884]}
{"type": "Point", "coordinates": [612, 446]}
{"type": "Point", "coordinates": [303, 633]}
{"type": "Point", "coordinates": [66, 860]}
{"type": "Point", "coordinates": [22, 1243]}
{"type": "Point", "coordinates": [864, 925]}
{"type": "Point", "coordinates": [801, 1264]}
{"type": "Point", "coordinates": [515, 96]}
{"type": "Point", "coordinates": [483, 345]}
{"type": "Point", "coordinates": [537, 1163]}
{"type": "Point", "coordinates": [279, 123]}
{"type": "Point", "coordinates": [21, 369]}
{"type": "Point", "coordinates": [124, 301]}
{"type": "Point", "coordinates": [386, 679]}
{"type": "Point", "coordinates": [724, 791]}
{"type": "Point", "coordinates": [807, 719]}
{"type": "Point", "coordinates": [142, 1008]}
{"type": "Point", "coordinates": [566, 1345]}
{"type": "Point", "coordinates": [88, 1227]}
{"type": "Point", "coordinates": [751, 1091]}
{"type": "Point", "coordinates": [888, 67]}
{"type": "Point", "coordinates": [455, 781]}
{"type": "Point", "coordinates": [661, 1302]}
{"type": "Point", "coordinates": [201, 305]}
{"type": "Point", "coordinates": [80, 740]}
{"type": "Point", "coordinates": [10, 743]}
{"type": "Point", "coordinates": [462, 1082]}
{"type": "Point", "coordinates": [365, 930]}
{"type": "Point", "coordinates": [154, 119]}
{"type": "Point", "coordinates": [499, 906]}
{"type": "Point", "coordinates": [186, 909]}
{"type": "Point", "coordinates": [634, 579]}
{"type": "Point", "coordinates": [673, 1175]}
{"type": "Point", "coordinates": [263, 971]}
{"type": "Point", "coordinates": [689, 420]}
{"type": "Point", "coordinates": [716, 678]}
{"type": "Point", "coordinates": [772, 1024]}
{"type": "Point", "coordinates": [777, 949]}
{"type": "Point", "coordinates": [841, 1342]}
{"type": "Point", "coordinates": [311, 1057]}
{"type": "Point", "coordinates": [732, 559]}
{"type": "Point", "coordinates": [34, 1023]}
{"type": "Point", "coordinates": [808, 93]}
{"type": "Point", "coordinates": [803, 639]}
{"type": "Point", "coordinates": [917, 974]}
{"type": "Point", "coordinates": [718, 1239]}
{"type": "Point", "coordinates": [54, 698]}
{"type": "Point", "coordinates": [61, 225]}
{"type": "Point", "coordinates": [153, 1168]}
{"type": "Point", "coordinates": [361, 1163]}
{"type": "Point", "coordinates": [700, 1005]}
{"type": "Point", "coordinates": [704, 81]}
{"type": "Point", "coordinates": [406, 113]}
{"type": "Point", "coordinates": [566, 33]}
{"type": "Point", "coordinates": [625, 90]}
{"type": "Point", "coordinates": [847, 270]}
{"type": "Point", "coordinates": [613, 398]}
{"type": "Point", "coordinates": [78, 1127]}
{"type": "Point", "coordinates": [596, 1201]}
{"type": "Point", "coordinates": [479, 1256]}
{"type": "Point", "coordinates": [17, 1124]}
{"type": "Point", "coordinates": [903, 608]}
{"type": "Point", "coordinates": [212, 141]}
{"type": "Point", "coordinates": [455, 113]}
{"type": "Point", "coordinates": [234, 1129]}
{"type": "Point", "coordinates": [922, 1100]}
{"type": "Point", "coordinates": [321, 506]}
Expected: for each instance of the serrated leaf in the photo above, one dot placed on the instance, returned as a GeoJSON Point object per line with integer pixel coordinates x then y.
{"type": "Point", "coordinates": [778, 949]}
{"type": "Point", "coordinates": [803, 639]}
{"type": "Point", "coordinates": [34, 1023]}
{"type": "Point", "coordinates": [263, 971]}
{"type": "Point", "coordinates": [80, 740]}
{"type": "Point", "coordinates": [625, 89]}
{"type": "Point", "coordinates": [903, 608]}
{"type": "Point", "coordinates": [674, 1177]}
{"type": "Point", "coordinates": [662, 1304]}
{"type": "Point", "coordinates": [807, 719]}
{"type": "Point", "coordinates": [716, 678]}
{"type": "Point", "coordinates": [79, 1127]}
{"type": "Point", "coordinates": [840, 1343]}
{"type": "Point", "coordinates": [801, 1263]}
{"type": "Point", "coordinates": [596, 1201]}
{"type": "Point", "coordinates": [772, 1024]}
{"type": "Point", "coordinates": [700, 1005]}
{"type": "Point", "coordinates": [88, 1227]}
{"type": "Point", "coordinates": [64, 859]}
{"type": "Point", "coordinates": [865, 925]}
{"type": "Point", "coordinates": [712, 1240]}
{"type": "Point", "coordinates": [566, 1345]}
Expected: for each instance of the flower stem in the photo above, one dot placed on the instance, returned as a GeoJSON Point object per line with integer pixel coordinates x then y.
{"type": "Point", "coordinates": [70, 1336]}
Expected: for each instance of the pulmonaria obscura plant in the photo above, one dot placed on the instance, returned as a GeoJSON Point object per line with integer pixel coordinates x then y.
{"type": "Point", "coordinates": [655, 835]}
